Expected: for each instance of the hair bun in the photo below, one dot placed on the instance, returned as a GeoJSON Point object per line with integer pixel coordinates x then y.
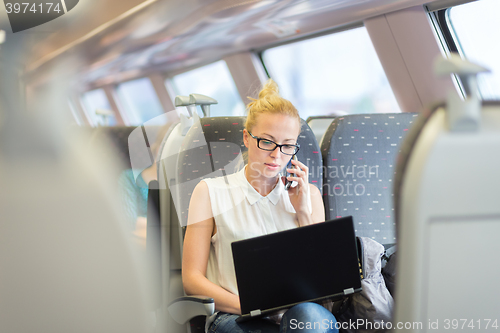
{"type": "Point", "coordinates": [270, 88]}
{"type": "Point", "coordinates": [269, 102]}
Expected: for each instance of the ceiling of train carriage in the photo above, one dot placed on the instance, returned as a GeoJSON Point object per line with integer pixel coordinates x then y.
{"type": "Point", "coordinates": [116, 37]}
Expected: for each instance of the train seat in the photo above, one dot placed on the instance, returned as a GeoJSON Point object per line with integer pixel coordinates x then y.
{"type": "Point", "coordinates": [359, 153]}
{"type": "Point", "coordinates": [448, 221]}
{"type": "Point", "coordinates": [169, 151]}
{"type": "Point", "coordinates": [117, 137]}
{"type": "Point", "coordinates": [319, 125]}
{"type": "Point", "coordinates": [67, 262]}
{"type": "Point", "coordinates": [448, 213]}
{"type": "Point", "coordinates": [213, 147]}
{"type": "Point", "coordinates": [171, 232]}
{"type": "Point", "coordinates": [128, 143]}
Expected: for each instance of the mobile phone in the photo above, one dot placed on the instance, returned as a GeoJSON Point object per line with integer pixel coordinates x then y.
{"type": "Point", "coordinates": [288, 183]}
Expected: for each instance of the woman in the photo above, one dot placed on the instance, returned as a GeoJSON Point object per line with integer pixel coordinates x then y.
{"type": "Point", "coordinates": [246, 204]}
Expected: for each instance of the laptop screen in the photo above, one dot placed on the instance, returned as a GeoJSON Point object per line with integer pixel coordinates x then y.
{"type": "Point", "coordinates": [297, 265]}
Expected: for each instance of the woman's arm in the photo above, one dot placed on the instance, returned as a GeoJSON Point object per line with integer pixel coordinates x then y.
{"type": "Point", "coordinates": [201, 227]}
{"type": "Point", "coordinates": [318, 208]}
{"type": "Point", "coordinates": [300, 194]}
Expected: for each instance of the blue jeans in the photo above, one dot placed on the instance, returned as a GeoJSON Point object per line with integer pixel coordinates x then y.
{"type": "Point", "coordinates": [304, 317]}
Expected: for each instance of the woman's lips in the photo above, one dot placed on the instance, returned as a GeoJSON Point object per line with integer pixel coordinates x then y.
{"type": "Point", "coordinates": [272, 166]}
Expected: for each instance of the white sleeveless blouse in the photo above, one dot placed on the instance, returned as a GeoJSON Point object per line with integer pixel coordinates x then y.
{"type": "Point", "coordinates": [240, 212]}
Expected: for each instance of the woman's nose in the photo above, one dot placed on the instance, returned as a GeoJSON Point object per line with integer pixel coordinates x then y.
{"type": "Point", "coordinates": [276, 153]}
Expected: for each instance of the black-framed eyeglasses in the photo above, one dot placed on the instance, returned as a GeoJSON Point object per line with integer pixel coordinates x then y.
{"type": "Point", "coordinates": [269, 145]}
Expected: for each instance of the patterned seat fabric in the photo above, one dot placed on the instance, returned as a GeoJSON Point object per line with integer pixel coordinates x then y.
{"type": "Point", "coordinates": [359, 154]}
{"type": "Point", "coordinates": [214, 148]}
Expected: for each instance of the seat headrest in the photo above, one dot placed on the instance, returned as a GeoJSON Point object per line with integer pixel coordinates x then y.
{"type": "Point", "coordinates": [359, 153]}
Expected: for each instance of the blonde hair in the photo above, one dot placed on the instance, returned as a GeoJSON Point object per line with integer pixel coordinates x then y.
{"type": "Point", "coordinates": [269, 101]}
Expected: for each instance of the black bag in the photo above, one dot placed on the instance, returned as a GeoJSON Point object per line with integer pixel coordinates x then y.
{"type": "Point", "coordinates": [371, 309]}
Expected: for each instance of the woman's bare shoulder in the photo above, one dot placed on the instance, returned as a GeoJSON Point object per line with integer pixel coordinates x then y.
{"type": "Point", "coordinates": [200, 208]}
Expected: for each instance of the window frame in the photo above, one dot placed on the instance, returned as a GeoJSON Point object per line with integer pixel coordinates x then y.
{"type": "Point", "coordinates": [260, 51]}
{"type": "Point", "coordinates": [124, 112]}
{"type": "Point", "coordinates": [440, 22]}
{"type": "Point", "coordinates": [171, 87]}
{"type": "Point", "coordinates": [440, 18]}
{"type": "Point", "coordinates": [354, 25]}
{"type": "Point", "coordinates": [92, 118]}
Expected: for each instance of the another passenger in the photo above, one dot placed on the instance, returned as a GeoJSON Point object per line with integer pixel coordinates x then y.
{"type": "Point", "coordinates": [134, 192]}
{"type": "Point", "coordinates": [254, 203]}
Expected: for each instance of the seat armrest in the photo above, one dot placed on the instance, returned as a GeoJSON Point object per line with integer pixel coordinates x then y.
{"type": "Point", "coordinates": [185, 308]}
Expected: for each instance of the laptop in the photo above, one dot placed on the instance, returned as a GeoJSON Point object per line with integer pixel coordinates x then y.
{"type": "Point", "coordinates": [306, 264]}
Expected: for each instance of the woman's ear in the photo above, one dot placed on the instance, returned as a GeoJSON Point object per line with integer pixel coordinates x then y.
{"type": "Point", "coordinates": [245, 137]}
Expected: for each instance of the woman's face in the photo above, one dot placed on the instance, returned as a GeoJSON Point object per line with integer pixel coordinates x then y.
{"type": "Point", "coordinates": [281, 129]}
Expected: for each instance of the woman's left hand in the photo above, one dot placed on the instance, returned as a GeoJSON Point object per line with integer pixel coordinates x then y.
{"type": "Point", "coordinates": [300, 194]}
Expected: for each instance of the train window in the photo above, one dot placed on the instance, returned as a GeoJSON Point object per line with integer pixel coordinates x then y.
{"type": "Point", "coordinates": [473, 26]}
{"type": "Point", "coordinates": [334, 74]}
{"type": "Point", "coordinates": [97, 107]}
{"type": "Point", "coordinates": [139, 101]}
{"type": "Point", "coordinates": [212, 80]}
